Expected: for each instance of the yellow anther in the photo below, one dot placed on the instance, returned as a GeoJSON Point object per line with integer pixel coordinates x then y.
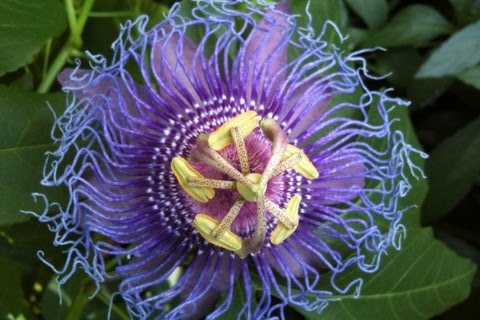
{"type": "Point", "coordinates": [222, 137]}
{"type": "Point", "coordinates": [281, 232]}
{"type": "Point", "coordinates": [304, 167]}
{"type": "Point", "coordinates": [183, 171]}
{"type": "Point", "coordinates": [206, 224]}
{"type": "Point", "coordinates": [248, 193]}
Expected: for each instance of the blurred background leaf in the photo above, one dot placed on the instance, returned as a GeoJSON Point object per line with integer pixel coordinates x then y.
{"type": "Point", "coordinates": [455, 55]}
{"type": "Point", "coordinates": [373, 12]}
{"type": "Point", "coordinates": [413, 25]}
{"type": "Point", "coordinates": [452, 169]}
{"type": "Point", "coordinates": [471, 77]}
{"type": "Point", "coordinates": [419, 281]}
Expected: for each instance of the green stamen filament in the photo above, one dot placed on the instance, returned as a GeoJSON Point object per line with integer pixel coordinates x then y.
{"type": "Point", "coordinates": [227, 221]}
{"type": "Point", "coordinates": [287, 164]}
{"type": "Point", "coordinates": [241, 150]}
{"type": "Point", "coordinates": [210, 183]}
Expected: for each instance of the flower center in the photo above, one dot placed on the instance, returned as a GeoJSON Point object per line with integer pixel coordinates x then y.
{"type": "Point", "coordinates": [249, 187]}
{"type": "Point", "coordinates": [251, 194]}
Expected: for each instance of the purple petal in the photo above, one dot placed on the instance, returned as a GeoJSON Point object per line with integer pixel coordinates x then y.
{"type": "Point", "coordinates": [305, 106]}
{"type": "Point", "coordinates": [177, 66]}
{"type": "Point", "coordinates": [341, 178]}
{"type": "Point", "coordinates": [265, 55]}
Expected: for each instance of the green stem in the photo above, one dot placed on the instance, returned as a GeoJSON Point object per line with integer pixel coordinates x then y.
{"type": "Point", "coordinates": [80, 301]}
{"type": "Point", "coordinates": [55, 68]}
{"type": "Point", "coordinates": [72, 18]}
{"type": "Point", "coordinates": [83, 17]}
{"type": "Point", "coordinates": [110, 265]}
{"type": "Point", "coordinates": [73, 43]}
{"type": "Point", "coordinates": [46, 57]}
{"type": "Point", "coordinates": [105, 297]}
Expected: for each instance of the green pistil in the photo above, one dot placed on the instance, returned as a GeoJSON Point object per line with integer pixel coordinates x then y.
{"type": "Point", "coordinates": [251, 194]}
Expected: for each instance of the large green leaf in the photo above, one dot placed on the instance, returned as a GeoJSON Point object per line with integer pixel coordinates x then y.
{"type": "Point", "coordinates": [373, 12]}
{"type": "Point", "coordinates": [12, 299]}
{"type": "Point", "coordinates": [321, 12]}
{"type": "Point", "coordinates": [413, 25]}
{"type": "Point", "coordinates": [25, 25]}
{"type": "Point", "coordinates": [452, 169]}
{"type": "Point", "coordinates": [26, 123]}
{"type": "Point", "coordinates": [21, 242]}
{"type": "Point", "coordinates": [421, 280]}
{"type": "Point", "coordinates": [460, 52]}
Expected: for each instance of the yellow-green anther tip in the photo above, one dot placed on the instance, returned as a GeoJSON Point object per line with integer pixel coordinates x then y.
{"type": "Point", "coordinates": [266, 125]}
{"type": "Point", "coordinates": [183, 171]}
{"type": "Point", "coordinates": [305, 167]}
{"type": "Point", "coordinates": [205, 226]}
{"type": "Point", "coordinates": [281, 232]}
{"type": "Point", "coordinates": [246, 122]}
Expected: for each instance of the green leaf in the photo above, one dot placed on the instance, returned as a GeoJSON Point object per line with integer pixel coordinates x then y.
{"type": "Point", "coordinates": [424, 92]}
{"type": "Point", "coordinates": [239, 300]}
{"type": "Point", "coordinates": [458, 53]}
{"type": "Point", "coordinates": [373, 12]}
{"type": "Point", "coordinates": [50, 303]}
{"type": "Point", "coordinates": [187, 6]}
{"type": "Point", "coordinates": [413, 25]}
{"type": "Point", "coordinates": [321, 12]}
{"type": "Point", "coordinates": [356, 35]}
{"type": "Point", "coordinates": [471, 77]}
{"type": "Point", "coordinates": [25, 25]}
{"type": "Point", "coordinates": [393, 61]}
{"type": "Point", "coordinates": [12, 299]}
{"type": "Point", "coordinates": [26, 123]}
{"type": "Point", "coordinates": [465, 10]}
{"type": "Point", "coordinates": [155, 11]}
{"type": "Point", "coordinates": [421, 280]}
{"type": "Point", "coordinates": [452, 169]}
{"type": "Point", "coordinates": [21, 242]}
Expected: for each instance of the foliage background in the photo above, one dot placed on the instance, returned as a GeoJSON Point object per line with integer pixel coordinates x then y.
{"type": "Point", "coordinates": [433, 55]}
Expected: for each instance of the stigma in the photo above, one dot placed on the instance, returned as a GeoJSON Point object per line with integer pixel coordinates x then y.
{"type": "Point", "coordinates": [248, 186]}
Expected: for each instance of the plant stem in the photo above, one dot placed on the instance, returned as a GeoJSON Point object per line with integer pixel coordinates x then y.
{"type": "Point", "coordinates": [80, 301]}
{"type": "Point", "coordinates": [73, 43]}
{"type": "Point", "coordinates": [71, 17]}
{"type": "Point", "coordinates": [105, 297]}
{"type": "Point", "coordinates": [83, 17]}
{"type": "Point", "coordinates": [46, 57]}
{"type": "Point", "coordinates": [55, 68]}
